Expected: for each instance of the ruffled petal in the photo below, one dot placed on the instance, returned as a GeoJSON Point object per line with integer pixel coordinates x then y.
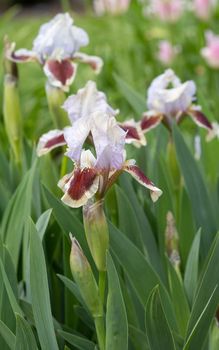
{"type": "Point", "coordinates": [87, 101]}
{"type": "Point", "coordinates": [60, 73]}
{"type": "Point", "coordinates": [138, 175]}
{"type": "Point", "coordinates": [80, 187]}
{"type": "Point", "coordinates": [75, 137]}
{"type": "Point", "coordinates": [95, 62]}
{"type": "Point", "coordinates": [49, 141]}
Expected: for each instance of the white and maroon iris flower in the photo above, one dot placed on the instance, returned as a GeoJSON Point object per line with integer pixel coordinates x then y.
{"type": "Point", "coordinates": [81, 109]}
{"type": "Point", "coordinates": [172, 100]}
{"type": "Point", "coordinates": [56, 49]}
{"type": "Point", "coordinates": [93, 176]}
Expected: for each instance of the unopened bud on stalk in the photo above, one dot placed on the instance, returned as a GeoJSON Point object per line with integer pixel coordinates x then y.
{"type": "Point", "coordinates": [56, 97]}
{"type": "Point", "coordinates": [172, 241]}
{"type": "Point", "coordinates": [11, 107]}
{"type": "Point", "coordinates": [84, 279]}
{"type": "Point", "coordinates": [97, 234]}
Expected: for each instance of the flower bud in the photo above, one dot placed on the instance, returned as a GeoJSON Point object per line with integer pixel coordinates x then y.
{"type": "Point", "coordinates": [97, 234]}
{"type": "Point", "coordinates": [56, 98]}
{"type": "Point", "coordinates": [11, 104]}
{"type": "Point", "coordinates": [84, 279]}
{"type": "Point", "coordinates": [12, 115]}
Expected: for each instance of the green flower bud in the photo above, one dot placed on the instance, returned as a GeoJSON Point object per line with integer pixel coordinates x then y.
{"type": "Point", "coordinates": [12, 114]}
{"type": "Point", "coordinates": [97, 234]}
{"type": "Point", "coordinates": [84, 279]}
{"type": "Point", "coordinates": [56, 98]}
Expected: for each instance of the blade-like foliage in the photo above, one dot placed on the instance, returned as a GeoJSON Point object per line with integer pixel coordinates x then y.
{"type": "Point", "coordinates": [40, 293]}
{"type": "Point", "coordinates": [158, 330]}
{"type": "Point", "coordinates": [116, 319]}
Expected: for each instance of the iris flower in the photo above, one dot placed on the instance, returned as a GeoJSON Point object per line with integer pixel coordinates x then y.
{"type": "Point", "coordinates": [80, 108]}
{"type": "Point", "coordinates": [92, 119]}
{"type": "Point", "coordinates": [172, 100]}
{"type": "Point", "coordinates": [94, 175]}
{"type": "Point", "coordinates": [56, 49]}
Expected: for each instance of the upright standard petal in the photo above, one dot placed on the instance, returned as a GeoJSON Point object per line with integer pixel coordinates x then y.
{"type": "Point", "coordinates": [138, 175]}
{"type": "Point", "coordinates": [109, 141]}
{"type": "Point", "coordinates": [60, 73]}
{"type": "Point", "coordinates": [49, 141]}
{"type": "Point", "coordinates": [75, 137]}
{"type": "Point", "coordinates": [87, 101]}
{"type": "Point", "coordinates": [59, 39]}
{"type": "Point", "coordinates": [168, 96]}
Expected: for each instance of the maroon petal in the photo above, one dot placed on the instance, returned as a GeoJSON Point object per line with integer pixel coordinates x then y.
{"type": "Point", "coordinates": [81, 186]}
{"type": "Point", "coordinates": [134, 133]}
{"type": "Point", "coordinates": [60, 73]}
{"type": "Point", "coordinates": [200, 119]}
{"type": "Point", "coordinates": [49, 141]}
{"type": "Point", "coordinates": [149, 122]}
{"type": "Point", "coordinates": [95, 62]}
{"type": "Point", "coordinates": [138, 175]}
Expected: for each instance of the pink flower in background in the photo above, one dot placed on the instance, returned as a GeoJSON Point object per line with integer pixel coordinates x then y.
{"type": "Point", "coordinates": [203, 8]}
{"type": "Point", "coordinates": [211, 51]}
{"type": "Point", "coordinates": [167, 52]}
{"type": "Point", "coordinates": [167, 10]}
{"type": "Point", "coordinates": [110, 6]}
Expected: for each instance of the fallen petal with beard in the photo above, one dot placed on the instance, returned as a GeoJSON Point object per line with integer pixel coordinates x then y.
{"type": "Point", "coordinates": [60, 74]}
{"type": "Point", "coordinates": [82, 184]}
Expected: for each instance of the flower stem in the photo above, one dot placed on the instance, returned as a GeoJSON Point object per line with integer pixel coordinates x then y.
{"type": "Point", "coordinates": [102, 284]}
{"type": "Point", "coordinates": [100, 329]}
{"type": "Point", "coordinates": [63, 166]}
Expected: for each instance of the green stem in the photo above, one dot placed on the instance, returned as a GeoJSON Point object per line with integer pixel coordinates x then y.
{"type": "Point", "coordinates": [100, 329]}
{"type": "Point", "coordinates": [63, 166]}
{"type": "Point", "coordinates": [102, 284]}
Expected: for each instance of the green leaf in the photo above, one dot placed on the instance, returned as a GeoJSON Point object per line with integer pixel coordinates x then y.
{"type": "Point", "coordinates": [136, 101]}
{"type": "Point", "coordinates": [157, 328]}
{"type": "Point", "coordinates": [186, 226]}
{"type": "Point", "coordinates": [116, 318]}
{"type": "Point", "coordinates": [191, 271]}
{"type": "Point", "coordinates": [12, 298]}
{"type": "Point", "coordinates": [138, 338]}
{"type": "Point", "coordinates": [206, 297]}
{"type": "Point", "coordinates": [145, 227]}
{"type": "Point", "coordinates": [179, 300]}
{"type": "Point", "coordinates": [40, 293]}
{"type": "Point", "coordinates": [140, 273]}
{"type": "Point", "coordinates": [42, 223]}
{"type": "Point", "coordinates": [67, 219]}
{"type": "Point", "coordinates": [16, 214]}
{"type": "Point", "coordinates": [78, 342]}
{"type": "Point", "coordinates": [25, 339]}
{"type": "Point", "coordinates": [73, 288]}
{"type": "Point", "coordinates": [196, 188]}
{"type": "Point", "coordinates": [198, 335]}
{"type": "Point", "coordinates": [128, 222]}
{"type": "Point", "coordinates": [7, 334]}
